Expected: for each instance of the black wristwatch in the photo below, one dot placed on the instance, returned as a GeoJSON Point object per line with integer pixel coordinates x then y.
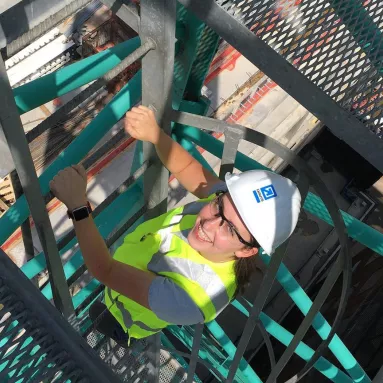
{"type": "Point", "coordinates": [80, 213]}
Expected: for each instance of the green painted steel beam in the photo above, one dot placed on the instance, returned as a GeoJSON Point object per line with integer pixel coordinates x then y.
{"type": "Point", "coordinates": [76, 151]}
{"type": "Point", "coordinates": [85, 292]}
{"type": "Point", "coordinates": [56, 84]}
{"type": "Point", "coordinates": [186, 56]}
{"type": "Point", "coordinates": [230, 348]}
{"type": "Point", "coordinates": [212, 356]}
{"type": "Point", "coordinates": [303, 351]}
{"type": "Point", "coordinates": [323, 328]}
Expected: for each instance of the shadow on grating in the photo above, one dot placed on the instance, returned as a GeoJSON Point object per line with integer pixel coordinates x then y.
{"type": "Point", "coordinates": [130, 363]}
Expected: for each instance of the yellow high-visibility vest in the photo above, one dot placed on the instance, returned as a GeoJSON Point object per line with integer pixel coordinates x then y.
{"type": "Point", "coordinates": [160, 246]}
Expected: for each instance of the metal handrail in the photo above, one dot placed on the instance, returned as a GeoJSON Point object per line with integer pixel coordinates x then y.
{"type": "Point", "coordinates": [14, 133]}
{"type": "Point", "coordinates": [343, 263]}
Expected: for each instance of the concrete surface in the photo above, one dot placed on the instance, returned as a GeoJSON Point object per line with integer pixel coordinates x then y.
{"type": "Point", "coordinates": [6, 4]}
{"type": "Point", "coordinates": [224, 85]}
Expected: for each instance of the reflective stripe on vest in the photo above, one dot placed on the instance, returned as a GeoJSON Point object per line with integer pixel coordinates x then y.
{"type": "Point", "coordinates": [127, 318]}
{"type": "Point", "coordinates": [161, 246]}
{"type": "Point", "coordinates": [202, 274]}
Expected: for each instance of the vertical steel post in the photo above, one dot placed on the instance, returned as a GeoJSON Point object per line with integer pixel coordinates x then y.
{"type": "Point", "coordinates": [13, 131]}
{"type": "Point", "coordinates": [26, 232]}
{"type": "Point", "coordinates": [197, 337]}
{"type": "Point", "coordinates": [158, 22]}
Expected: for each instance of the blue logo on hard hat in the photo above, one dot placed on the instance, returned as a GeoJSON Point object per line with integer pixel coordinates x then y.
{"type": "Point", "coordinates": [265, 193]}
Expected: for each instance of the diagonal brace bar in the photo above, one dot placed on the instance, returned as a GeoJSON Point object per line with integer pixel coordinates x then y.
{"type": "Point", "coordinates": [14, 133]}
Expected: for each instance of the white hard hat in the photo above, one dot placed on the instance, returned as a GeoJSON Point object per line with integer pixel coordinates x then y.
{"type": "Point", "coordinates": [268, 203]}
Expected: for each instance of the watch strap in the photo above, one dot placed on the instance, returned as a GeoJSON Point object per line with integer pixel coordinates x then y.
{"type": "Point", "coordinates": [72, 214]}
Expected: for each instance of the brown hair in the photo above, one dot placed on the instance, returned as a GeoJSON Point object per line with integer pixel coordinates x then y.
{"type": "Point", "coordinates": [244, 269]}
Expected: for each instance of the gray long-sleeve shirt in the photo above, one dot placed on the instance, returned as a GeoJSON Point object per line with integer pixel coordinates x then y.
{"type": "Point", "coordinates": [171, 302]}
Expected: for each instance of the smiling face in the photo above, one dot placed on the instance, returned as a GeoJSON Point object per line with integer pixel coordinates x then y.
{"type": "Point", "coordinates": [217, 239]}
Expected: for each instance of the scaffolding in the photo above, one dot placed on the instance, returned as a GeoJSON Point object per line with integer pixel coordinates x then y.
{"type": "Point", "coordinates": [326, 55]}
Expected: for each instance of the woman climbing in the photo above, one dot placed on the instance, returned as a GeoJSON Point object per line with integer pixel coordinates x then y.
{"type": "Point", "coordinates": [185, 266]}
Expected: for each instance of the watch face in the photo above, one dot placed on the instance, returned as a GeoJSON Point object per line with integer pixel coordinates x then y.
{"type": "Point", "coordinates": [80, 213]}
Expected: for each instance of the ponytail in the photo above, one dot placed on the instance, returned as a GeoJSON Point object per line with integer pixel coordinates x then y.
{"type": "Point", "coordinates": [244, 268]}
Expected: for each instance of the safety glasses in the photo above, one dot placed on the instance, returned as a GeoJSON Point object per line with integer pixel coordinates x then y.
{"type": "Point", "coordinates": [226, 227]}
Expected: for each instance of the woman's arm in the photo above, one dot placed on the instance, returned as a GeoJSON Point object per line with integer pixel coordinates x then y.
{"type": "Point", "coordinates": [69, 186]}
{"type": "Point", "coordinates": [141, 124]}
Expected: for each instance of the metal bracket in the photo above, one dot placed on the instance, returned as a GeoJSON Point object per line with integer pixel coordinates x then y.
{"type": "Point", "coordinates": [126, 12]}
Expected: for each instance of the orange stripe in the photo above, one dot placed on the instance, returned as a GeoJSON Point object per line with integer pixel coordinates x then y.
{"type": "Point", "coordinates": [229, 64]}
{"type": "Point", "coordinates": [229, 50]}
{"type": "Point", "coordinates": [109, 157]}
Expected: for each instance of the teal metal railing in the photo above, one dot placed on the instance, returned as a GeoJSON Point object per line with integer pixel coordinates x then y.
{"type": "Point", "coordinates": [130, 202]}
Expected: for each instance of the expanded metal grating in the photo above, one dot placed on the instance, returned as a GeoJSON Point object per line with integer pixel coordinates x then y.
{"type": "Point", "coordinates": [131, 364]}
{"type": "Point", "coordinates": [336, 44]}
{"type": "Point", "coordinates": [38, 345]}
{"type": "Point", "coordinates": [28, 351]}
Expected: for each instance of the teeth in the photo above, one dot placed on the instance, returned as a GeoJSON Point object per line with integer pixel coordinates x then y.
{"type": "Point", "coordinates": [202, 235]}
